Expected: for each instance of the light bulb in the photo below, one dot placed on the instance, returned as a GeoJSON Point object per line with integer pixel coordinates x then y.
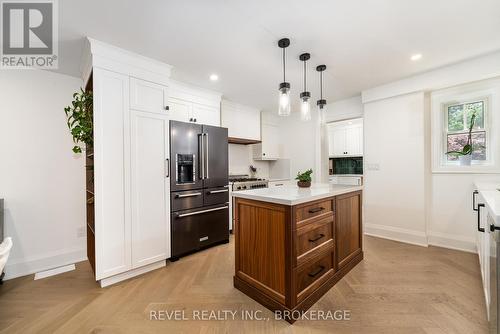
{"type": "Point", "coordinates": [284, 106]}
{"type": "Point", "coordinates": [305, 110]}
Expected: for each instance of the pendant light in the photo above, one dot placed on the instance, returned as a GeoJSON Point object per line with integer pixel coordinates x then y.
{"type": "Point", "coordinates": [321, 102]}
{"type": "Point", "coordinates": [284, 88]}
{"type": "Point", "coordinates": [305, 96]}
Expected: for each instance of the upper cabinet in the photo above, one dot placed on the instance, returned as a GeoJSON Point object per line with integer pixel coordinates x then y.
{"type": "Point", "coordinates": [243, 122]}
{"type": "Point", "coordinates": [190, 104]}
{"type": "Point", "coordinates": [269, 147]}
{"type": "Point", "coordinates": [148, 96]}
{"type": "Point", "coordinates": [345, 139]}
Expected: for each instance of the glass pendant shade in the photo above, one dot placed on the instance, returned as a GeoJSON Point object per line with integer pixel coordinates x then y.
{"type": "Point", "coordinates": [322, 114]}
{"type": "Point", "coordinates": [284, 102]}
{"type": "Point", "coordinates": [305, 109]}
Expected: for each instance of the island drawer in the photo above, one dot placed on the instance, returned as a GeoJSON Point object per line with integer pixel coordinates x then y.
{"type": "Point", "coordinates": [314, 209]}
{"type": "Point", "coordinates": [314, 235]}
{"type": "Point", "coordinates": [310, 276]}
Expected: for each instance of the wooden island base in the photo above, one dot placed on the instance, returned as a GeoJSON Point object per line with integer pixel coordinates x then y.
{"type": "Point", "coordinates": [288, 257]}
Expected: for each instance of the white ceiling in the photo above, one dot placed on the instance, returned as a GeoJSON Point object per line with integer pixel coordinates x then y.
{"type": "Point", "coordinates": [363, 43]}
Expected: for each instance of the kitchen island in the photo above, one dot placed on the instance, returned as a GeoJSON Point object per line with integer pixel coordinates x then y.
{"type": "Point", "coordinates": [293, 244]}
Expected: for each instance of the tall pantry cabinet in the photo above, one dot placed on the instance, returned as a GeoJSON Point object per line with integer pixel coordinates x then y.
{"type": "Point", "coordinates": [129, 215]}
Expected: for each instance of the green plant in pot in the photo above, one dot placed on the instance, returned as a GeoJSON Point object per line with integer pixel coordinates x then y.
{"type": "Point", "coordinates": [304, 179]}
{"type": "Point", "coordinates": [465, 155]}
{"type": "Point", "coordinates": [80, 120]}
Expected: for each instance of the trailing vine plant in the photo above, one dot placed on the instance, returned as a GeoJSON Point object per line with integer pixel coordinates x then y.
{"type": "Point", "coordinates": [79, 119]}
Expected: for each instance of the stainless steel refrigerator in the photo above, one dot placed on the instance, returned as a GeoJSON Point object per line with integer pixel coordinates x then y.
{"type": "Point", "coordinates": [199, 187]}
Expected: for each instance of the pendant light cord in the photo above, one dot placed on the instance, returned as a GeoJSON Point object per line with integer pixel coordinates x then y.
{"type": "Point", "coordinates": [305, 74]}
{"type": "Point", "coordinates": [321, 85]}
{"type": "Point", "coordinates": [284, 78]}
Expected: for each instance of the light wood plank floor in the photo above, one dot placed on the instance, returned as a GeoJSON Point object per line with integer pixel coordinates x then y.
{"type": "Point", "coordinates": [397, 288]}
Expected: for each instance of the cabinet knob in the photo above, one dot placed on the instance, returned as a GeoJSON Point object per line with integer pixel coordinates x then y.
{"type": "Point", "coordinates": [167, 108]}
{"type": "Point", "coordinates": [195, 120]}
{"type": "Point", "coordinates": [191, 119]}
{"type": "Point", "coordinates": [263, 154]}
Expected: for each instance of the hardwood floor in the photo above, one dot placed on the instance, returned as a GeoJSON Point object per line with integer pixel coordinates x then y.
{"type": "Point", "coordinates": [397, 288]}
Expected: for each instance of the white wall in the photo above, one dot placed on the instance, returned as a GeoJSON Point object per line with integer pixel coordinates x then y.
{"type": "Point", "coordinates": [344, 109]}
{"type": "Point", "coordinates": [301, 143]}
{"type": "Point", "coordinates": [42, 182]}
{"type": "Point", "coordinates": [449, 220]}
{"type": "Point", "coordinates": [395, 170]}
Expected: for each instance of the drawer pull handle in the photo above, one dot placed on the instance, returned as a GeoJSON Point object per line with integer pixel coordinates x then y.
{"type": "Point", "coordinates": [218, 191]}
{"type": "Point", "coordinates": [187, 195]}
{"type": "Point", "coordinates": [316, 272]}
{"type": "Point", "coordinates": [317, 238]}
{"type": "Point", "coordinates": [316, 210]}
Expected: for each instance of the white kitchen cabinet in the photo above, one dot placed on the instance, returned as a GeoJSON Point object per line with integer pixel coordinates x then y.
{"type": "Point", "coordinates": [111, 172]}
{"type": "Point", "coordinates": [189, 104]}
{"type": "Point", "coordinates": [128, 202]}
{"type": "Point", "coordinates": [345, 139]}
{"type": "Point", "coordinates": [148, 96]}
{"type": "Point", "coordinates": [243, 122]}
{"type": "Point", "coordinates": [150, 188]}
{"type": "Point", "coordinates": [269, 147]}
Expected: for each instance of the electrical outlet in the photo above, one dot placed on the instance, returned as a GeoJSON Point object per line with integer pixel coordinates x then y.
{"type": "Point", "coordinates": [80, 232]}
{"type": "Point", "coordinates": [373, 166]}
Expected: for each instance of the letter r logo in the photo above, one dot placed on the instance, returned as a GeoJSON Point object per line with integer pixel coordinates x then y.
{"type": "Point", "coordinates": [27, 28]}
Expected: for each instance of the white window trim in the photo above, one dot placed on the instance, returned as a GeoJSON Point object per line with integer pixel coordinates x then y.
{"type": "Point", "coordinates": [489, 91]}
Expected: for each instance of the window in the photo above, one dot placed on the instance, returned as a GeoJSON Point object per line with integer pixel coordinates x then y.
{"type": "Point", "coordinates": [457, 123]}
{"type": "Point", "coordinates": [450, 113]}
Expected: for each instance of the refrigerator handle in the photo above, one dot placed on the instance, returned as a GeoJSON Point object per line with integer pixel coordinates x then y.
{"type": "Point", "coordinates": [167, 167]}
{"type": "Point", "coordinates": [202, 156]}
{"type": "Point", "coordinates": [206, 156]}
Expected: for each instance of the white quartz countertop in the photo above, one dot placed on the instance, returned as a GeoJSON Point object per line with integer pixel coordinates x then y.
{"type": "Point", "coordinates": [490, 191]}
{"type": "Point", "coordinates": [293, 195]}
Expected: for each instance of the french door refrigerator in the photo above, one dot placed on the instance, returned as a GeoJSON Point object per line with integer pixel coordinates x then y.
{"type": "Point", "coordinates": [199, 187]}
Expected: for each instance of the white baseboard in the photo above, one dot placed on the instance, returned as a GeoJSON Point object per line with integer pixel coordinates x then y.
{"type": "Point", "coordinates": [15, 269]}
{"type": "Point", "coordinates": [396, 234]}
{"type": "Point", "coordinates": [131, 273]}
{"type": "Point", "coordinates": [55, 271]}
{"type": "Point", "coordinates": [452, 242]}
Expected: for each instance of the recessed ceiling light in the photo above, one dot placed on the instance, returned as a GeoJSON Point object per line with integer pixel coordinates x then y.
{"type": "Point", "coordinates": [214, 77]}
{"type": "Point", "coordinates": [416, 57]}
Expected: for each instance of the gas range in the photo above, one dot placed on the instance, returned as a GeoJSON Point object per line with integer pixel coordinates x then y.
{"type": "Point", "coordinates": [244, 182]}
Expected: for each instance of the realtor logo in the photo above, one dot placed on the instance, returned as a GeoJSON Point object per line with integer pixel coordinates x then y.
{"type": "Point", "coordinates": [29, 34]}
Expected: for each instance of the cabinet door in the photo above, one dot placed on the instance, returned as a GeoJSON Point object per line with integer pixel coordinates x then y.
{"type": "Point", "coordinates": [348, 231]}
{"type": "Point", "coordinates": [203, 114]}
{"type": "Point", "coordinates": [353, 141]}
{"type": "Point", "coordinates": [270, 139]}
{"type": "Point", "coordinates": [150, 189]}
{"type": "Point", "coordinates": [148, 96]}
{"type": "Point", "coordinates": [339, 142]}
{"type": "Point", "coordinates": [180, 110]}
{"type": "Point", "coordinates": [112, 173]}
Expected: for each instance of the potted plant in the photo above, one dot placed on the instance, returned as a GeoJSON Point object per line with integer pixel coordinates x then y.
{"type": "Point", "coordinates": [304, 179]}
{"type": "Point", "coordinates": [465, 155]}
{"type": "Point", "coordinates": [79, 119]}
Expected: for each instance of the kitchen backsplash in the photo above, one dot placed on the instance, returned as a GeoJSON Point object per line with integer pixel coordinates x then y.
{"type": "Point", "coordinates": [353, 165]}
{"type": "Point", "coordinates": [240, 159]}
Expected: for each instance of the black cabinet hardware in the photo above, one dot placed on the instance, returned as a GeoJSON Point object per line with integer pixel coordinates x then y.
{"type": "Point", "coordinates": [316, 210]}
{"type": "Point", "coordinates": [321, 235]}
{"type": "Point", "coordinates": [479, 206]}
{"type": "Point", "coordinates": [167, 108]}
{"type": "Point", "coordinates": [474, 193]}
{"type": "Point", "coordinates": [316, 272]}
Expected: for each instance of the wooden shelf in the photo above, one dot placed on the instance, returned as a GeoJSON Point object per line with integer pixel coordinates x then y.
{"type": "Point", "coordinates": [241, 141]}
